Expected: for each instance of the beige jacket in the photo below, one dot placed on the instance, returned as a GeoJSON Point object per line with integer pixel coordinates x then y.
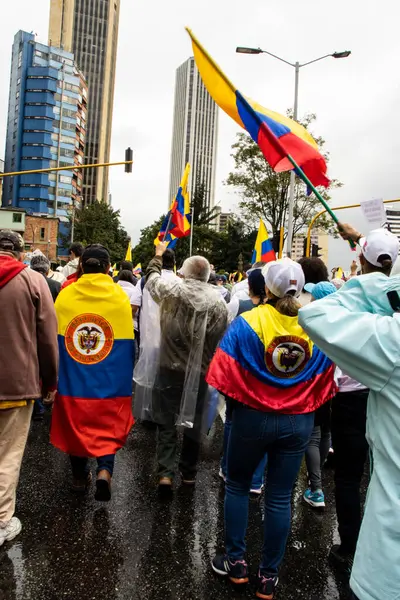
{"type": "Point", "coordinates": [28, 335]}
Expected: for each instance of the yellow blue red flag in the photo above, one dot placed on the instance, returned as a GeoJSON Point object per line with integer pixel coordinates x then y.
{"type": "Point", "coordinates": [92, 414]}
{"type": "Point", "coordinates": [267, 361]}
{"type": "Point", "coordinates": [276, 135]}
{"type": "Point", "coordinates": [263, 250]}
{"type": "Point", "coordinates": [177, 223]}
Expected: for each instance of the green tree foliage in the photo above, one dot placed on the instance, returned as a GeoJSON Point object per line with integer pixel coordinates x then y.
{"type": "Point", "coordinates": [265, 194]}
{"type": "Point", "coordinates": [98, 223]}
{"type": "Point", "coordinates": [221, 249]}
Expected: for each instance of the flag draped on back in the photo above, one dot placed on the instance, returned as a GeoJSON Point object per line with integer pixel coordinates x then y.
{"type": "Point", "coordinates": [177, 223]}
{"type": "Point", "coordinates": [92, 414]}
{"type": "Point", "coordinates": [267, 361]}
{"type": "Point", "coordinates": [263, 250]}
{"type": "Point", "coordinates": [276, 135]}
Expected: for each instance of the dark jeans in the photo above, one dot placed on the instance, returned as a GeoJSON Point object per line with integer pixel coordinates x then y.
{"type": "Point", "coordinates": [169, 401]}
{"type": "Point", "coordinates": [80, 465]}
{"type": "Point", "coordinates": [284, 438]}
{"type": "Point", "coordinates": [349, 416]}
{"type": "Point", "coordinates": [316, 454]}
{"type": "Point", "coordinates": [258, 476]}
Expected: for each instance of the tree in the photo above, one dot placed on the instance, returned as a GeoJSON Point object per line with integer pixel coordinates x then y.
{"type": "Point", "coordinates": [98, 223]}
{"type": "Point", "coordinates": [265, 194]}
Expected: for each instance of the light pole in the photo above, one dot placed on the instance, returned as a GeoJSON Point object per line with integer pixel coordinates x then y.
{"type": "Point", "coordinates": [297, 66]}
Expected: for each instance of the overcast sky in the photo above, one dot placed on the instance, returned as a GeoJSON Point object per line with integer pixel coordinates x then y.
{"type": "Point", "coordinates": [357, 100]}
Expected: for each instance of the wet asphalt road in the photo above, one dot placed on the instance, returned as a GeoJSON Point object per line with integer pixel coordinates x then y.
{"type": "Point", "coordinates": [141, 546]}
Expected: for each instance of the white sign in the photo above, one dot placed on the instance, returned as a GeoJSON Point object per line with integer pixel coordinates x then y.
{"type": "Point", "coordinates": [374, 210]}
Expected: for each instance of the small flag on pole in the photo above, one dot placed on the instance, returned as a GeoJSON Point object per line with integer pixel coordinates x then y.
{"type": "Point", "coordinates": [177, 223]}
{"type": "Point", "coordinates": [263, 250]}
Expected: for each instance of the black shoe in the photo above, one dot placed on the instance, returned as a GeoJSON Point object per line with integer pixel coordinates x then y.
{"type": "Point", "coordinates": [266, 586]}
{"type": "Point", "coordinates": [238, 571]}
{"type": "Point", "coordinates": [340, 559]}
{"type": "Point", "coordinates": [103, 486]}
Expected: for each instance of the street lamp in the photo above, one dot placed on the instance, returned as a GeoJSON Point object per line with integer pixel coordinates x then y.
{"type": "Point", "coordinates": [297, 66]}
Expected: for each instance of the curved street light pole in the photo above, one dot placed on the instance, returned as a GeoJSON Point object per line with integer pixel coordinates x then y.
{"type": "Point", "coordinates": [297, 66]}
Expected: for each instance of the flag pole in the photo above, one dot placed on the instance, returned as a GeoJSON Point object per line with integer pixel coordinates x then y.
{"type": "Point", "coordinates": [191, 232]}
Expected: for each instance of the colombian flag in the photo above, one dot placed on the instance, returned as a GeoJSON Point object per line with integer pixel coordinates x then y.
{"type": "Point", "coordinates": [178, 219]}
{"type": "Point", "coordinates": [92, 414]}
{"type": "Point", "coordinates": [267, 361]}
{"type": "Point", "coordinates": [275, 134]}
{"type": "Point", "coordinates": [263, 250]}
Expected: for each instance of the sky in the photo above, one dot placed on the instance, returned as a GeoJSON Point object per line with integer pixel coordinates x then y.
{"type": "Point", "coordinates": [356, 100]}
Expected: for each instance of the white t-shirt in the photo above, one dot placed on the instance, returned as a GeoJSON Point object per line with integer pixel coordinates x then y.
{"type": "Point", "coordinates": [241, 290]}
{"type": "Point", "coordinates": [129, 289]}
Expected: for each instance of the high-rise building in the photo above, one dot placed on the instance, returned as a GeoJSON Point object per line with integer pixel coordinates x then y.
{"type": "Point", "coordinates": [89, 29]}
{"type": "Point", "coordinates": [393, 220]}
{"type": "Point", "coordinates": [45, 128]}
{"type": "Point", "coordinates": [195, 132]}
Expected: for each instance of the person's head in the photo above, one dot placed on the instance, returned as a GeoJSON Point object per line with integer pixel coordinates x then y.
{"type": "Point", "coordinates": [196, 267]}
{"type": "Point", "coordinates": [284, 281]}
{"type": "Point", "coordinates": [40, 263]}
{"type": "Point", "coordinates": [257, 285]}
{"type": "Point", "coordinates": [126, 265]}
{"type": "Point", "coordinates": [12, 242]}
{"type": "Point", "coordinates": [221, 280]}
{"type": "Point", "coordinates": [95, 259]}
{"type": "Point", "coordinates": [212, 280]}
{"type": "Point", "coordinates": [379, 251]}
{"type": "Point", "coordinates": [75, 250]}
{"type": "Point", "coordinates": [127, 275]}
{"type": "Point", "coordinates": [314, 269]}
{"type": "Point", "coordinates": [168, 260]}
{"type": "Point", "coordinates": [320, 290]}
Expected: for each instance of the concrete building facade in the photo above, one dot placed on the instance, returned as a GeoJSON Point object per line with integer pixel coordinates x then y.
{"type": "Point", "coordinates": [195, 133]}
{"type": "Point", "coordinates": [45, 128]}
{"type": "Point", "coordinates": [90, 31]}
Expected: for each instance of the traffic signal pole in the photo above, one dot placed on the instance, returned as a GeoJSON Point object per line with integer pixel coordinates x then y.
{"type": "Point", "coordinates": [72, 168]}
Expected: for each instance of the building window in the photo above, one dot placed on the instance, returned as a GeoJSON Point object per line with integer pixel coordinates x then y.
{"type": "Point", "coordinates": [13, 148]}
{"type": "Point", "coordinates": [42, 233]}
{"type": "Point", "coordinates": [14, 135]}
{"type": "Point", "coordinates": [17, 218]}
{"type": "Point", "coordinates": [15, 121]}
{"type": "Point", "coordinates": [18, 80]}
{"type": "Point", "coordinates": [17, 95]}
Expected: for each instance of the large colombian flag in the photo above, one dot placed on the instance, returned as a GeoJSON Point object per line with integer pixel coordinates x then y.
{"type": "Point", "coordinates": [178, 217]}
{"type": "Point", "coordinates": [92, 414]}
{"type": "Point", "coordinates": [267, 361]}
{"type": "Point", "coordinates": [292, 137]}
{"type": "Point", "coordinates": [263, 250]}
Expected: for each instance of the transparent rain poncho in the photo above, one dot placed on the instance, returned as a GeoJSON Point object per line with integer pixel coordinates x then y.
{"type": "Point", "coordinates": [179, 336]}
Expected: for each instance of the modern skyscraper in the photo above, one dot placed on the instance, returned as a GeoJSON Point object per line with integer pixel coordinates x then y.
{"type": "Point", "coordinates": [195, 132]}
{"type": "Point", "coordinates": [89, 29]}
{"type": "Point", "coordinates": [45, 128]}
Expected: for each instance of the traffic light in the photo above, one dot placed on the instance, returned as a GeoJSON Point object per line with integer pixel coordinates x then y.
{"type": "Point", "coordinates": [315, 250]}
{"type": "Point", "coordinates": [128, 156]}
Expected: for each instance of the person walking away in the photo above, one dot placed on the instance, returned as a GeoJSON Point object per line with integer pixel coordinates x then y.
{"type": "Point", "coordinates": [92, 413]}
{"type": "Point", "coordinates": [257, 296]}
{"type": "Point", "coordinates": [41, 264]}
{"type": "Point", "coordinates": [29, 364]}
{"type": "Point", "coordinates": [75, 252]}
{"type": "Point", "coordinates": [192, 319]}
{"type": "Point", "coordinates": [320, 442]}
{"type": "Point", "coordinates": [359, 329]}
{"type": "Point", "coordinates": [57, 275]}
{"type": "Point", "coordinates": [128, 282]}
{"type": "Point", "coordinates": [225, 293]}
{"type": "Point", "coordinates": [278, 378]}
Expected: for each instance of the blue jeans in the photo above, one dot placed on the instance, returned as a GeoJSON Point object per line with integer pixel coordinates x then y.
{"type": "Point", "coordinates": [258, 476]}
{"type": "Point", "coordinates": [80, 465]}
{"type": "Point", "coordinates": [284, 438]}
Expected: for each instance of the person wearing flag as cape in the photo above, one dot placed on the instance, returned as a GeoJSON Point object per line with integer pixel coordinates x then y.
{"type": "Point", "coordinates": [276, 379]}
{"type": "Point", "coordinates": [92, 413]}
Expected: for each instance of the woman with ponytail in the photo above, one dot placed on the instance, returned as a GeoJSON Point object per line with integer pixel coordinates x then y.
{"type": "Point", "coordinates": [276, 378]}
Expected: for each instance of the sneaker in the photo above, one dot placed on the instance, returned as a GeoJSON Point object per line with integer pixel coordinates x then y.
{"type": "Point", "coordinates": [222, 476]}
{"type": "Point", "coordinates": [10, 531]}
{"type": "Point", "coordinates": [165, 482]}
{"type": "Point", "coordinates": [238, 571]}
{"type": "Point", "coordinates": [266, 586]}
{"type": "Point", "coordinates": [340, 559]}
{"type": "Point", "coordinates": [80, 486]}
{"type": "Point", "coordinates": [315, 499]}
{"type": "Point", "coordinates": [103, 486]}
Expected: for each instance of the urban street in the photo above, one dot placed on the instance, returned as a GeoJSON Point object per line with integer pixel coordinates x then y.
{"type": "Point", "coordinates": [143, 545]}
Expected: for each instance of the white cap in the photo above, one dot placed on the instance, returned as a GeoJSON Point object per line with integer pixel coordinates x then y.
{"type": "Point", "coordinates": [283, 276]}
{"type": "Point", "coordinates": [378, 243]}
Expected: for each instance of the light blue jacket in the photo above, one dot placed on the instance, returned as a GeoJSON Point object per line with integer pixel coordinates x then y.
{"type": "Point", "coordinates": [357, 328]}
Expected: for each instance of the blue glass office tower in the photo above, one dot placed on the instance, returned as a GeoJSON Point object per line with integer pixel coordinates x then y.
{"type": "Point", "coordinates": [45, 128]}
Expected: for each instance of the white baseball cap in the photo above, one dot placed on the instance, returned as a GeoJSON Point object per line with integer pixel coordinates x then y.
{"type": "Point", "coordinates": [283, 276]}
{"type": "Point", "coordinates": [378, 243]}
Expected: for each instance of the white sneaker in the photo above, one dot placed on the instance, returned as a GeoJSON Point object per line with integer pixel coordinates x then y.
{"type": "Point", "coordinates": [10, 531]}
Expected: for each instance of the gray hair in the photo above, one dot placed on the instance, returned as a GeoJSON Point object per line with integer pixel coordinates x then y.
{"type": "Point", "coordinates": [40, 263]}
{"type": "Point", "coordinates": [196, 267]}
